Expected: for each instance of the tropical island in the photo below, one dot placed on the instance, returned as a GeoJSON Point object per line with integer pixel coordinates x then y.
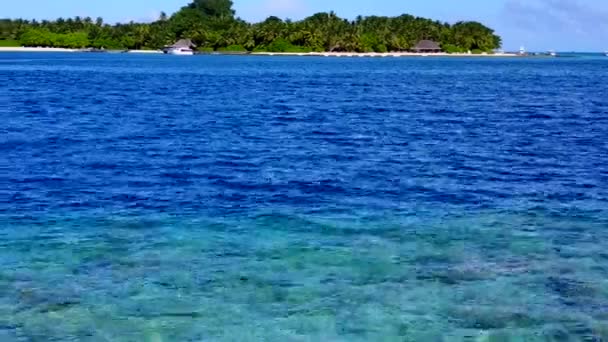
{"type": "Point", "coordinates": [212, 25]}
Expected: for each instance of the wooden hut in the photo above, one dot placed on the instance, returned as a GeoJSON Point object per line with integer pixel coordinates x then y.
{"type": "Point", "coordinates": [181, 47]}
{"type": "Point", "coordinates": [427, 46]}
{"type": "Point", "coordinates": [183, 44]}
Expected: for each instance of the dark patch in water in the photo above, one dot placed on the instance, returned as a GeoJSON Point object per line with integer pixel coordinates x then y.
{"type": "Point", "coordinates": [569, 288]}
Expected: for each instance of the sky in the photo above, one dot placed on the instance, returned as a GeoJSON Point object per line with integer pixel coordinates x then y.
{"type": "Point", "coordinates": [538, 25]}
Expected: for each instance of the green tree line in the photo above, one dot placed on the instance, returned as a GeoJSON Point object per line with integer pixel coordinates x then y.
{"type": "Point", "coordinates": [212, 25]}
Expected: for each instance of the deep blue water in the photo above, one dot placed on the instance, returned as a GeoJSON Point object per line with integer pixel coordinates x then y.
{"type": "Point", "coordinates": [212, 198]}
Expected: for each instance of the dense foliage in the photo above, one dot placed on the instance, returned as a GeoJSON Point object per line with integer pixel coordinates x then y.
{"type": "Point", "coordinates": [212, 25]}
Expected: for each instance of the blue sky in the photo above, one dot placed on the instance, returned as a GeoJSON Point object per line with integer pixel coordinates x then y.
{"type": "Point", "coordinates": [563, 25]}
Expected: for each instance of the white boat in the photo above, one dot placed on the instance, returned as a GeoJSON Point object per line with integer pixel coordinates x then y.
{"type": "Point", "coordinates": [180, 51]}
{"type": "Point", "coordinates": [183, 47]}
{"type": "Point", "coordinates": [522, 50]}
{"type": "Point", "coordinates": [552, 53]}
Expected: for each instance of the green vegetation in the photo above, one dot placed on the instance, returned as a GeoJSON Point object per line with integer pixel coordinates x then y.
{"type": "Point", "coordinates": [233, 48]}
{"type": "Point", "coordinates": [281, 44]}
{"type": "Point", "coordinates": [9, 43]}
{"type": "Point", "coordinates": [451, 48]}
{"type": "Point", "coordinates": [44, 37]}
{"type": "Point", "coordinates": [212, 25]}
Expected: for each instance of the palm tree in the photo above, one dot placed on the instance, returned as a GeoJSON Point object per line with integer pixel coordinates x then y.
{"type": "Point", "coordinates": [141, 35]}
{"type": "Point", "coordinates": [212, 23]}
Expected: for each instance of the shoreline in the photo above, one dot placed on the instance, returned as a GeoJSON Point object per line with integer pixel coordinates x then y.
{"type": "Point", "coordinates": [50, 49]}
{"type": "Point", "coordinates": [301, 54]}
{"type": "Point", "coordinates": [147, 52]}
{"type": "Point", "coordinates": [34, 49]}
{"type": "Point", "coordinates": [380, 54]}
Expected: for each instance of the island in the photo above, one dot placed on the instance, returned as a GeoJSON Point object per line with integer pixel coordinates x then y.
{"type": "Point", "coordinates": [212, 26]}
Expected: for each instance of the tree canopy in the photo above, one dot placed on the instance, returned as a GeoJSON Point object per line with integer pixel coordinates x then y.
{"type": "Point", "coordinates": [212, 25]}
{"type": "Point", "coordinates": [213, 8]}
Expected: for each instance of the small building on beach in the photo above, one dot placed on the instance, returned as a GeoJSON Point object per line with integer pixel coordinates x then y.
{"type": "Point", "coordinates": [182, 44]}
{"type": "Point", "coordinates": [427, 46]}
{"type": "Point", "coordinates": [181, 47]}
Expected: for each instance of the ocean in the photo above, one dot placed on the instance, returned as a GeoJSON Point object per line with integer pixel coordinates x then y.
{"type": "Point", "coordinates": [248, 198]}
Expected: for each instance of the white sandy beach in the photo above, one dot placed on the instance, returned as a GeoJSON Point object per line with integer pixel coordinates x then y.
{"type": "Point", "coordinates": [48, 49]}
{"type": "Point", "coordinates": [149, 52]}
{"type": "Point", "coordinates": [319, 54]}
{"type": "Point", "coordinates": [388, 54]}
{"type": "Point", "coordinates": [34, 49]}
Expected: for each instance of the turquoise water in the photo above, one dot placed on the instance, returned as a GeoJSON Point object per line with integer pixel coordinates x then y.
{"type": "Point", "coordinates": [217, 198]}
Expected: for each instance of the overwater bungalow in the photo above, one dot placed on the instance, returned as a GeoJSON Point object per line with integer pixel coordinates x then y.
{"type": "Point", "coordinates": [427, 46]}
{"type": "Point", "coordinates": [181, 47]}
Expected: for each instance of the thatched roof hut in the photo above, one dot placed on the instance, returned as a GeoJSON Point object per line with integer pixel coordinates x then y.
{"type": "Point", "coordinates": [183, 44]}
{"type": "Point", "coordinates": [425, 46]}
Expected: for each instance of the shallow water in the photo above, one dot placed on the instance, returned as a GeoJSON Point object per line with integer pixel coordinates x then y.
{"type": "Point", "coordinates": [233, 198]}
